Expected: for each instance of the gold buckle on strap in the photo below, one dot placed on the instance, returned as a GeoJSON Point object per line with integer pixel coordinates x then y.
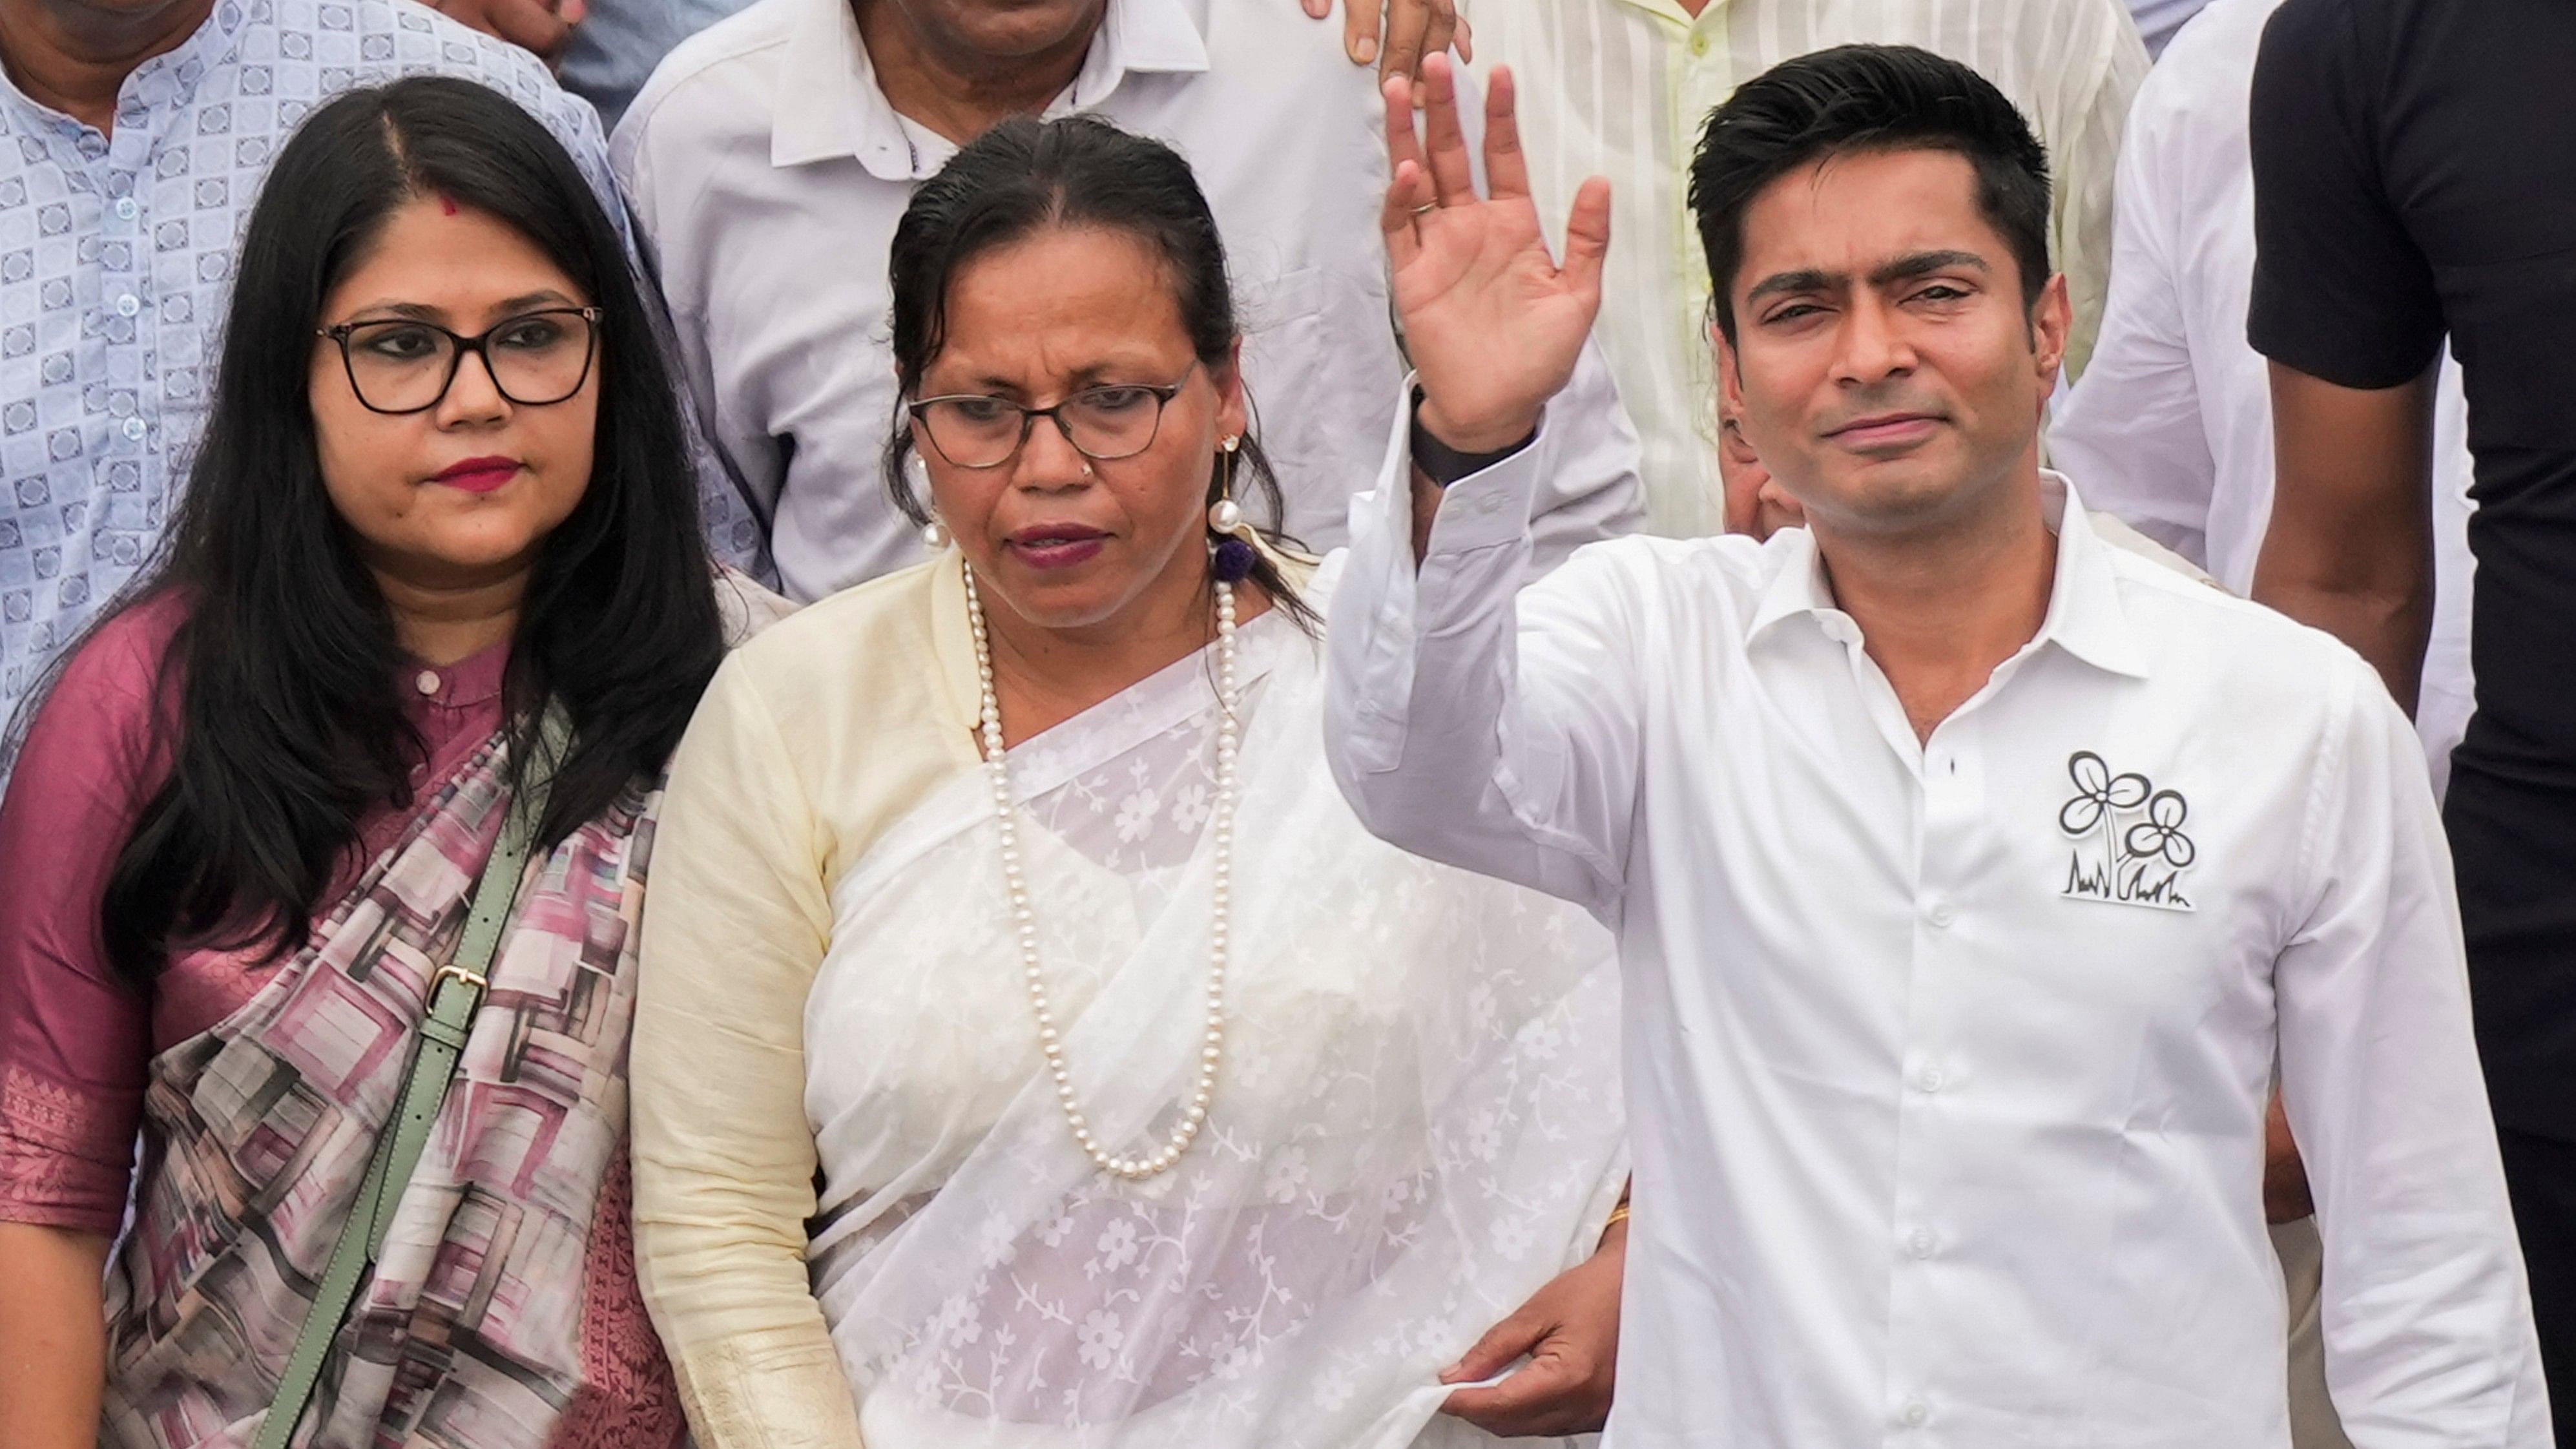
{"type": "Point", "coordinates": [475, 979]}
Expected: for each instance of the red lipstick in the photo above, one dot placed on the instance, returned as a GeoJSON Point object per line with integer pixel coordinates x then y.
{"type": "Point", "coordinates": [478, 475]}
{"type": "Point", "coordinates": [1056, 545]}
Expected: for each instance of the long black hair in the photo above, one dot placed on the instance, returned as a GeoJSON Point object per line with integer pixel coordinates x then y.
{"type": "Point", "coordinates": [1025, 175]}
{"type": "Point", "coordinates": [287, 723]}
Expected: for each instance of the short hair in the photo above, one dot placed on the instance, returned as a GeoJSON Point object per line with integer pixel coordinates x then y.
{"type": "Point", "coordinates": [1862, 98]}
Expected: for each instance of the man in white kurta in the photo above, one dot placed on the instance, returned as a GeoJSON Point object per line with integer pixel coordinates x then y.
{"type": "Point", "coordinates": [1950, 1032]}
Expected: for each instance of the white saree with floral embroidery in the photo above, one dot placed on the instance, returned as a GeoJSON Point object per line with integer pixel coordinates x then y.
{"type": "Point", "coordinates": [1417, 1123]}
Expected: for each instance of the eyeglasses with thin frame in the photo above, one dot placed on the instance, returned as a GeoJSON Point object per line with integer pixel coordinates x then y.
{"type": "Point", "coordinates": [1104, 423]}
{"type": "Point", "coordinates": [402, 365]}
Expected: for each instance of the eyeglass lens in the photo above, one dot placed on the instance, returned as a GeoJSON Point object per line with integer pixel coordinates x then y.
{"type": "Point", "coordinates": [1105, 423]}
{"type": "Point", "coordinates": [405, 366]}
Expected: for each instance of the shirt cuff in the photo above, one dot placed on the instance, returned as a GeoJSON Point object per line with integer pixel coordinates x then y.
{"type": "Point", "coordinates": [1491, 507]}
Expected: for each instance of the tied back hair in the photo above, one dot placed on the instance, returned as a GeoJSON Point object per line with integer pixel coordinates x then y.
{"type": "Point", "coordinates": [282, 714]}
{"type": "Point", "coordinates": [1024, 176]}
{"type": "Point", "coordinates": [1858, 98]}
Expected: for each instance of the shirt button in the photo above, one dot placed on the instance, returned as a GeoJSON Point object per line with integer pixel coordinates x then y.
{"type": "Point", "coordinates": [1940, 912]}
{"type": "Point", "coordinates": [1921, 1244]}
{"type": "Point", "coordinates": [1916, 1413]}
{"type": "Point", "coordinates": [1930, 1080]}
{"type": "Point", "coordinates": [128, 305]}
{"type": "Point", "coordinates": [1699, 45]}
{"type": "Point", "coordinates": [134, 429]}
{"type": "Point", "coordinates": [126, 208]}
{"type": "Point", "coordinates": [427, 682]}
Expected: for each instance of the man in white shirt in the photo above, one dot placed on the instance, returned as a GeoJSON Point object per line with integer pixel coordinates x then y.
{"type": "Point", "coordinates": [1620, 88]}
{"type": "Point", "coordinates": [1972, 877]}
{"type": "Point", "coordinates": [770, 157]}
{"type": "Point", "coordinates": [2171, 426]}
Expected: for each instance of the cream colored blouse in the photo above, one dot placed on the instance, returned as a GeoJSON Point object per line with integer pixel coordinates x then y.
{"type": "Point", "coordinates": [842, 718]}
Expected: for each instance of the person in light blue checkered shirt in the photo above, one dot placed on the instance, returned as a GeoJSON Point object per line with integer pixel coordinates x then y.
{"type": "Point", "coordinates": [116, 258]}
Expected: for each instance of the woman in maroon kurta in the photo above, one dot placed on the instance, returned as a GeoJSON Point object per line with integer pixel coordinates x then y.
{"type": "Point", "coordinates": [444, 486]}
{"type": "Point", "coordinates": [76, 1040]}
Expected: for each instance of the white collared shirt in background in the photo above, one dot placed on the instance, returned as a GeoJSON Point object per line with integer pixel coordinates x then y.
{"type": "Point", "coordinates": [769, 171]}
{"type": "Point", "coordinates": [2158, 20]}
{"type": "Point", "coordinates": [2171, 426]}
{"type": "Point", "coordinates": [1622, 88]}
{"type": "Point", "coordinates": [1947, 1061]}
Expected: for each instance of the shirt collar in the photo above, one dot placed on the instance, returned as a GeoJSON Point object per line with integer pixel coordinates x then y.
{"type": "Point", "coordinates": [2085, 617]}
{"type": "Point", "coordinates": [1798, 587]}
{"type": "Point", "coordinates": [830, 106]}
{"type": "Point", "coordinates": [1714, 14]}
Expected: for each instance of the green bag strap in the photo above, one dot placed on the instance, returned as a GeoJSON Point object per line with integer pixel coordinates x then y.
{"type": "Point", "coordinates": [455, 993]}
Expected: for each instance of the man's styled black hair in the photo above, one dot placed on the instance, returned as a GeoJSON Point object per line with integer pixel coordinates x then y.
{"type": "Point", "coordinates": [1866, 98]}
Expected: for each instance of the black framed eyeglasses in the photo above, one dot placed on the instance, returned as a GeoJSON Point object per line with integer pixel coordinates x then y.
{"type": "Point", "coordinates": [1104, 424]}
{"type": "Point", "coordinates": [535, 359]}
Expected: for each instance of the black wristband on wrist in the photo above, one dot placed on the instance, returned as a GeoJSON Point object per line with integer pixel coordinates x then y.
{"type": "Point", "coordinates": [1445, 465]}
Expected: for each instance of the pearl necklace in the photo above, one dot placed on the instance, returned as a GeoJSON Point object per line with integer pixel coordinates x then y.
{"type": "Point", "coordinates": [1050, 1041]}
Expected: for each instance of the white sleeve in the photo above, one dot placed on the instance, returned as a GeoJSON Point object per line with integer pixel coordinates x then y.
{"type": "Point", "coordinates": [1471, 720]}
{"type": "Point", "coordinates": [1594, 491]}
{"type": "Point", "coordinates": [2131, 433]}
{"type": "Point", "coordinates": [2428, 1326]}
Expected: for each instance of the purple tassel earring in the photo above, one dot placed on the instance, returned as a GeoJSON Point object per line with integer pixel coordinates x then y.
{"type": "Point", "coordinates": [1233, 560]}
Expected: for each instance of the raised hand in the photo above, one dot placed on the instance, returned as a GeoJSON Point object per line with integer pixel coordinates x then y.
{"type": "Point", "coordinates": [1493, 323]}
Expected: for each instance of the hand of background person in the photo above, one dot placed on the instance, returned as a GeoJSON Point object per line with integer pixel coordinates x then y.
{"type": "Point", "coordinates": [1570, 1331]}
{"type": "Point", "coordinates": [2285, 1177]}
{"type": "Point", "coordinates": [1413, 29]}
{"type": "Point", "coordinates": [542, 26]}
{"type": "Point", "coordinates": [1492, 323]}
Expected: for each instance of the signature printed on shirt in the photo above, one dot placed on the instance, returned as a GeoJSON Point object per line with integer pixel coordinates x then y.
{"type": "Point", "coordinates": [2128, 844]}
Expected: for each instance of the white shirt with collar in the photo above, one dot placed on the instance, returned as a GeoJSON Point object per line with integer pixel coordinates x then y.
{"type": "Point", "coordinates": [2171, 425]}
{"type": "Point", "coordinates": [1947, 1061]}
{"type": "Point", "coordinates": [769, 170]}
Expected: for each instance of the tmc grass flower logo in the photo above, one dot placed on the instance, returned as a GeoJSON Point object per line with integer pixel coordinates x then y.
{"type": "Point", "coordinates": [2128, 841]}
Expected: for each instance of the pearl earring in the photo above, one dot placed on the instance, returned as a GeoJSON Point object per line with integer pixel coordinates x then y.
{"type": "Point", "coordinates": [934, 534]}
{"type": "Point", "coordinates": [1225, 515]}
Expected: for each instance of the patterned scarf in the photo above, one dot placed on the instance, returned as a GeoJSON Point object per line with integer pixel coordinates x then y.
{"type": "Point", "coordinates": [503, 1312]}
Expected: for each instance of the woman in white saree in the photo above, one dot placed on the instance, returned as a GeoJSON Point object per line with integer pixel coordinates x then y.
{"type": "Point", "coordinates": [1161, 1105]}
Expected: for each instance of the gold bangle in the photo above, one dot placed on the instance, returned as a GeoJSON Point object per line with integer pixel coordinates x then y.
{"type": "Point", "coordinates": [1617, 1216]}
